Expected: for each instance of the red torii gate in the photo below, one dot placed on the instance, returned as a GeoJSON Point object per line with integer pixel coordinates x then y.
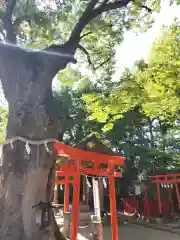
{"type": "Point", "coordinates": [167, 179]}
{"type": "Point", "coordinates": [87, 163]}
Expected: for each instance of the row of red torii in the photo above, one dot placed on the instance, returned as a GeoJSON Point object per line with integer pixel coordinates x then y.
{"type": "Point", "coordinates": [77, 162]}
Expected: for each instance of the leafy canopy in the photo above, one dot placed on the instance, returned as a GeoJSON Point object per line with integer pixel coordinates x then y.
{"type": "Point", "coordinates": [101, 24]}
{"type": "Point", "coordinates": [152, 86]}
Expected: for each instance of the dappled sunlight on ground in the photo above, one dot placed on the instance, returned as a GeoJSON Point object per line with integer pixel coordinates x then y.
{"type": "Point", "coordinates": [81, 237]}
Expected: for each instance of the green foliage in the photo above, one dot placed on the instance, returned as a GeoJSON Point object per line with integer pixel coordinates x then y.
{"type": "Point", "coordinates": [161, 79]}
{"type": "Point", "coordinates": [111, 106]}
{"type": "Point", "coordinates": [73, 116]}
{"type": "Point", "coordinates": [153, 87]}
{"type": "Point", "coordinates": [3, 123]}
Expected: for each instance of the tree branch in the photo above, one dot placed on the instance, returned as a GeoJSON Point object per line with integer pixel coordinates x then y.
{"type": "Point", "coordinates": [104, 2]}
{"type": "Point", "coordinates": [145, 7]}
{"type": "Point", "coordinates": [103, 63]}
{"type": "Point", "coordinates": [10, 34]}
{"type": "Point", "coordinates": [92, 12]}
{"type": "Point", "coordinates": [84, 50]}
{"type": "Point", "coordinates": [56, 57]}
{"type": "Point", "coordinates": [71, 45]}
{"type": "Point", "coordinates": [108, 7]}
{"type": "Point", "coordinates": [60, 52]}
{"type": "Point", "coordinates": [142, 6]}
{"type": "Point", "coordinates": [83, 21]}
{"type": "Point", "coordinates": [10, 5]}
{"type": "Point", "coordinates": [84, 35]}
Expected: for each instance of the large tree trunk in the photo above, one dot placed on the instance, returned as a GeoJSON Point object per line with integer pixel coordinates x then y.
{"type": "Point", "coordinates": [26, 177]}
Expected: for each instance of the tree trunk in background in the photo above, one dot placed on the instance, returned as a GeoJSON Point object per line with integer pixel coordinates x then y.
{"type": "Point", "coordinates": [150, 121]}
{"type": "Point", "coordinates": [26, 177]}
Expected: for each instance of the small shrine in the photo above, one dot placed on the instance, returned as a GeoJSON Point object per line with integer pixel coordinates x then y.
{"type": "Point", "coordinates": [83, 162]}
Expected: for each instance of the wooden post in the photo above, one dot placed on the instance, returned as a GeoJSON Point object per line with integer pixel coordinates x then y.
{"type": "Point", "coordinates": [171, 201]}
{"type": "Point", "coordinates": [96, 230]}
{"type": "Point", "coordinates": [55, 198]}
{"type": "Point", "coordinates": [66, 225]}
{"type": "Point", "coordinates": [159, 198]}
{"type": "Point", "coordinates": [96, 221]}
{"type": "Point", "coordinates": [101, 195]}
{"type": "Point", "coordinates": [84, 195]}
{"type": "Point", "coordinates": [66, 195]}
{"type": "Point", "coordinates": [147, 204]}
{"type": "Point", "coordinates": [96, 198]}
{"type": "Point", "coordinates": [75, 205]}
{"type": "Point", "coordinates": [177, 193]}
{"type": "Point", "coordinates": [113, 208]}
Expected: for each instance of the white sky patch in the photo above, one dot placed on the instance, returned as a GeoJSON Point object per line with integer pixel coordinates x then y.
{"type": "Point", "coordinates": [46, 3]}
{"type": "Point", "coordinates": [135, 47]}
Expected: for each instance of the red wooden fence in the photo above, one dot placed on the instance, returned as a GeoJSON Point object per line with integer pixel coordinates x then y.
{"type": "Point", "coordinates": [132, 206]}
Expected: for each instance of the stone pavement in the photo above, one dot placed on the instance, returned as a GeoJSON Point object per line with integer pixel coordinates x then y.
{"type": "Point", "coordinates": [135, 230]}
{"type": "Point", "coordinates": [168, 227]}
{"type": "Point", "coordinates": [131, 231]}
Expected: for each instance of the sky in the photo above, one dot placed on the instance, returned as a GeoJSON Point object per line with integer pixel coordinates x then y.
{"type": "Point", "coordinates": [135, 47]}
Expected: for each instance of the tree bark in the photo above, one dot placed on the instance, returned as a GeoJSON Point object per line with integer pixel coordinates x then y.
{"type": "Point", "coordinates": [26, 178]}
